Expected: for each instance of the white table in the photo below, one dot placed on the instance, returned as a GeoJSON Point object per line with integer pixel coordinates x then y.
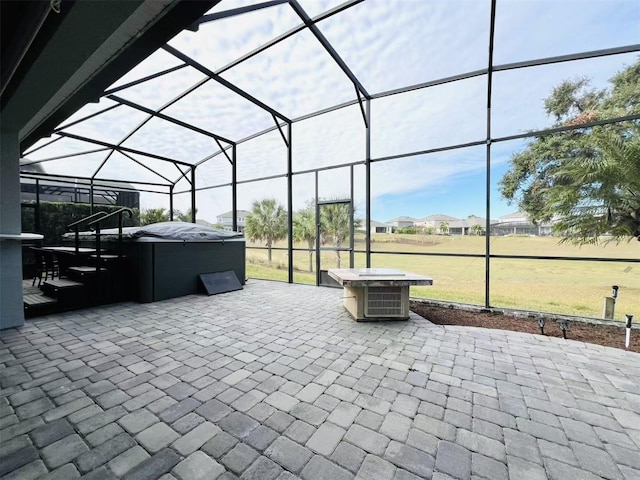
{"type": "Point", "coordinates": [377, 293]}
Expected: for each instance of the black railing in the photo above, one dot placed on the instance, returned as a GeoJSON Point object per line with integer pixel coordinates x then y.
{"type": "Point", "coordinates": [76, 227]}
{"type": "Point", "coordinates": [97, 223]}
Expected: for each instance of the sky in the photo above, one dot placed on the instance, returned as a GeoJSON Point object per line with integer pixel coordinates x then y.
{"type": "Point", "coordinates": [387, 45]}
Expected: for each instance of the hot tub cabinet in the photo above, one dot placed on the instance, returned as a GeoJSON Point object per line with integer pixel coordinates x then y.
{"type": "Point", "coordinates": [162, 269]}
{"type": "Point", "coordinates": [164, 260]}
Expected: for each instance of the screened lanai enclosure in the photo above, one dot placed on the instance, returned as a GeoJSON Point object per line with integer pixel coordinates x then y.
{"type": "Point", "coordinates": [393, 110]}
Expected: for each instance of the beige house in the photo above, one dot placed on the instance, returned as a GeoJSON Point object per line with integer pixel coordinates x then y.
{"type": "Point", "coordinates": [434, 221]}
{"type": "Point", "coordinates": [402, 222]}
{"type": "Point", "coordinates": [226, 220]}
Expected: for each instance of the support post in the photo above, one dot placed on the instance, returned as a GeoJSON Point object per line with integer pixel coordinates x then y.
{"type": "Point", "coordinates": [11, 306]}
{"type": "Point", "coordinates": [317, 235]}
{"type": "Point", "coordinates": [171, 202]}
{"type": "Point", "coordinates": [91, 197]}
{"type": "Point", "coordinates": [36, 214]}
{"type": "Point", "coordinates": [234, 188]}
{"type": "Point", "coordinates": [290, 199]}
{"type": "Point", "coordinates": [193, 194]}
{"type": "Point", "coordinates": [487, 233]}
{"type": "Point", "coordinates": [352, 227]}
{"type": "Point", "coordinates": [368, 186]}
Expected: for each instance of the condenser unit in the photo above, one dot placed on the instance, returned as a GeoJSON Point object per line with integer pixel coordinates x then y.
{"type": "Point", "coordinates": [386, 302]}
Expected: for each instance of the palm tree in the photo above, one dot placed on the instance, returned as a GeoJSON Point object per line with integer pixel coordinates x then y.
{"type": "Point", "coordinates": [444, 228]}
{"type": "Point", "coordinates": [267, 221]}
{"type": "Point", "coordinates": [304, 230]}
{"type": "Point", "coordinates": [336, 223]}
{"type": "Point", "coordinates": [476, 229]}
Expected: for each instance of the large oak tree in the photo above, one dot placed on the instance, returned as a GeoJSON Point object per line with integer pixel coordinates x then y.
{"type": "Point", "coordinates": [587, 179]}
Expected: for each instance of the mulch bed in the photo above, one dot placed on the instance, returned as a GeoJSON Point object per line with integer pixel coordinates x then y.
{"type": "Point", "coordinates": [584, 332]}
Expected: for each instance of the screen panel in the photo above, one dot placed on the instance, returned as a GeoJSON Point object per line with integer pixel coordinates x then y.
{"type": "Point", "coordinates": [433, 117]}
{"type": "Point", "coordinates": [295, 77]}
{"type": "Point", "coordinates": [389, 45]}
{"type": "Point", "coordinates": [519, 101]}
{"type": "Point", "coordinates": [529, 29]}
{"type": "Point", "coordinates": [564, 287]}
{"type": "Point", "coordinates": [333, 138]}
{"type": "Point", "coordinates": [454, 279]}
{"type": "Point", "coordinates": [219, 42]}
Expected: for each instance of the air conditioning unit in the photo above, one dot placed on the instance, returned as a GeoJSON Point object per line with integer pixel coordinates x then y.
{"type": "Point", "coordinates": [386, 302]}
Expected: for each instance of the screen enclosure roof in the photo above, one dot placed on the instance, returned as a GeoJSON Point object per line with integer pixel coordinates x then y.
{"type": "Point", "coordinates": [252, 78]}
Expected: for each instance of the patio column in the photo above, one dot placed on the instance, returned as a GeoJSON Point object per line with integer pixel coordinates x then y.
{"type": "Point", "coordinates": [11, 307]}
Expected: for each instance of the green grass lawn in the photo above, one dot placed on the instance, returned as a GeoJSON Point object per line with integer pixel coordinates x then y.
{"type": "Point", "coordinates": [558, 286]}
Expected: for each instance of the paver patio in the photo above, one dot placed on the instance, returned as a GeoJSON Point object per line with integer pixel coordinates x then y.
{"type": "Point", "coordinates": [277, 381]}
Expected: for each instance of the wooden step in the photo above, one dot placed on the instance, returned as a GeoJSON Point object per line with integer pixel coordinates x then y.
{"type": "Point", "coordinates": [61, 284]}
{"type": "Point", "coordinates": [37, 304]}
{"type": "Point", "coordinates": [68, 293]}
{"type": "Point", "coordinates": [106, 256]}
{"type": "Point", "coordinates": [62, 287]}
{"type": "Point", "coordinates": [38, 300]}
{"type": "Point", "coordinates": [85, 269]}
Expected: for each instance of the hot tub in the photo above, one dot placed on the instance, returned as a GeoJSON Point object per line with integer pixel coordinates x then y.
{"type": "Point", "coordinates": [163, 260]}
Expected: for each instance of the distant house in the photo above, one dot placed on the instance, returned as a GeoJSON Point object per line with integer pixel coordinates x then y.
{"type": "Point", "coordinates": [466, 226]}
{"type": "Point", "coordinates": [377, 227]}
{"type": "Point", "coordinates": [513, 224]}
{"type": "Point", "coordinates": [226, 220]}
{"type": "Point", "coordinates": [434, 221]}
{"type": "Point", "coordinates": [402, 222]}
{"type": "Point", "coordinates": [518, 223]}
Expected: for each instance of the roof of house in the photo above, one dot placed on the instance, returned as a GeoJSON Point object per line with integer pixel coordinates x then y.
{"type": "Point", "coordinates": [402, 219]}
{"type": "Point", "coordinates": [439, 217]}
{"type": "Point", "coordinates": [238, 212]}
{"type": "Point", "coordinates": [467, 222]}
{"type": "Point", "coordinates": [475, 221]}
{"type": "Point", "coordinates": [511, 216]}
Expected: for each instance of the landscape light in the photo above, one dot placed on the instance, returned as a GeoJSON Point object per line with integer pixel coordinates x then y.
{"type": "Point", "coordinates": [564, 326]}
{"type": "Point", "coordinates": [628, 334]}
{"type": "Point", "coordinates": [541, 323]}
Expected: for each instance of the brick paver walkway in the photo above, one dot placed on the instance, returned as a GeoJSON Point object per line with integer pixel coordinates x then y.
{"type": "Point", "coordinates": [277, 381]}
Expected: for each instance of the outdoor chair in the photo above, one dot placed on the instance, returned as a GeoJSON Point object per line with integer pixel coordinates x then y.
{"type": "Point", "coordinates": [46, 265]}
{"type": "Point", "coordinates": [40, 267]}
